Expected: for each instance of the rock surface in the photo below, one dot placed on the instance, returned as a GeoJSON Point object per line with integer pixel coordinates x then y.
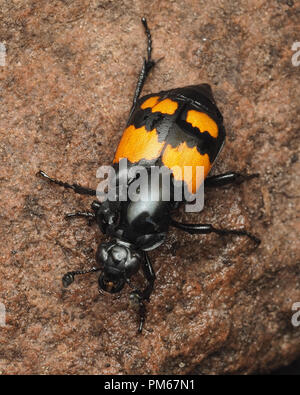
{"type": "Point", "coordinates": [219, 305]}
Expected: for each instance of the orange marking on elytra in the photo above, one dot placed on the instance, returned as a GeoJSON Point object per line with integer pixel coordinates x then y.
{"type": "Point", "coordinates": [150, 102]}
{"type": "Point", "coordinates": [203, 122]}
{"type": "Point", "coordinates": [166, 106]}
{"type": "Point", "coordinates": [137, 144]}
{"type": "Point", "coordinates": [177, 158]}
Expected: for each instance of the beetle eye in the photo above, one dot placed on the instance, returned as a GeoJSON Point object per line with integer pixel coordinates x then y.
{"type": "Point", "coordinates": [101, 255]}
{"type": "Point", "coordinates": [132, 265]}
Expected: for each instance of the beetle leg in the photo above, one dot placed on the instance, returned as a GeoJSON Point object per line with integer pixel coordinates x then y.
{"type": "Point", "coordinates": [75, 187]}
{"type": "Point", "coordinates": [207, 228]}
{"type": "Point", "coordinates": [141, 296]}
{"type": "Point", "coordinates": [228, 178]}
{"type": "Point", "coordinates": [85, 214]}
{"type": "Point", "coordinates": [136, 296]}
{"type": "Point", "coordinates": [150, 277]}
{"type": "Point", "coordinates": [147, 66]}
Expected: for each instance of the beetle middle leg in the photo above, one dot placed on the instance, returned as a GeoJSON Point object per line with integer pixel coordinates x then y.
{"type": "Point", "coordinates": [75, 187]}
{"type": "Point", "coordinates": [208, 228]}
{"type": "Point", "coordinates": [228, 178]}
{"type": "Point", "coordinates": [91, 217]}
{"type": "Point", "coordinates": [78, 214]}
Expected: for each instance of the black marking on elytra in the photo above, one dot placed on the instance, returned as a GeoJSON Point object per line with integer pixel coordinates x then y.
{"type": "Point", "coordinates": [198, 96]}
{"type": "Point", "coordinates": [147, 118]}
{"type": "Point", "coordinates": [204, 143]}
{"type": "Point", "coordinates": [175, 130]}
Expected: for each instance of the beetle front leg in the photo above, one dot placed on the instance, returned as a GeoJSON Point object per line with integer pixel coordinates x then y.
{"type": "Point", "coordinates": [150, 277]}
{"type": "Point", "coordinates": [140, 297]}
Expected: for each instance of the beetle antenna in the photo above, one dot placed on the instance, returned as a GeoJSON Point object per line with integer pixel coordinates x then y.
{"type": "Point", "coordinates": [68, 278]}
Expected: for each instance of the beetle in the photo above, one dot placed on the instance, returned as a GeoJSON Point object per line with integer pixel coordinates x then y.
{"type": "Point", "coordinates": [177, 127]}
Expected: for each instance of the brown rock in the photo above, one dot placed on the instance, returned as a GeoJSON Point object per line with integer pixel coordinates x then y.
{"type": "Point", "coordinates": [219, 305]}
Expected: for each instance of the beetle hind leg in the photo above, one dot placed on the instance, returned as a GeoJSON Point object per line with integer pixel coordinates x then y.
{"type": "Point", "coordinates": [228, 178]}
{"type": "Point", "coordinates": [147, 66]}
{"type": "Point", "coordinates": [208, 228]}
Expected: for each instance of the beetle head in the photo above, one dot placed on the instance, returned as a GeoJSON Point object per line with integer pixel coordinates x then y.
{"type": "Point", "coordinates": [118, 261]}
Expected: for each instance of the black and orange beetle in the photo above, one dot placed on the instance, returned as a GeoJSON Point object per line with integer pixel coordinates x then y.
{"type": "Point", "coordinates": [178, 127]}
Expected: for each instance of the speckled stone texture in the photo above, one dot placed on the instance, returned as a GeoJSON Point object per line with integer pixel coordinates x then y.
{"type": "Point", "coordinates": [219, 304]}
